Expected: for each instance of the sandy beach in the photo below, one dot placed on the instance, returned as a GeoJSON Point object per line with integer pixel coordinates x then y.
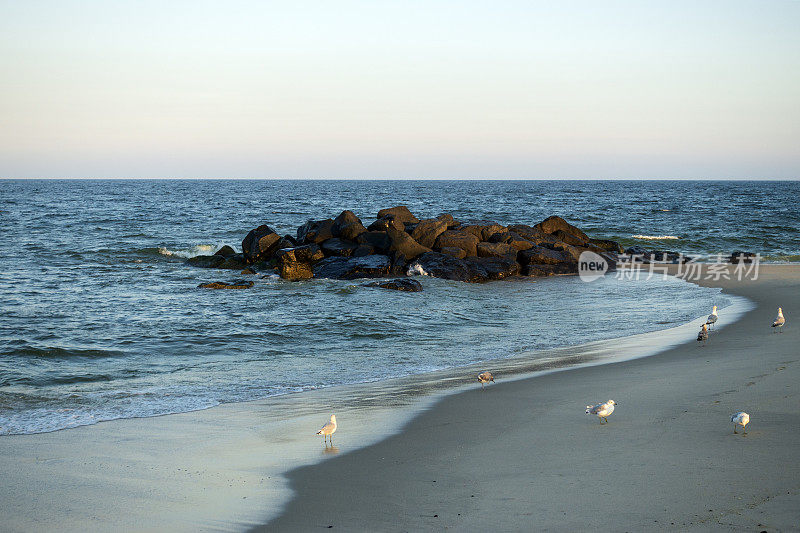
{"type": "Point", "coordinates": [520, 455]}
{"type": "Point", "coordinates": [524, 456]}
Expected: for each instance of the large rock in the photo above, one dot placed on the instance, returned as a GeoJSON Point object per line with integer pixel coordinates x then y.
{"type": "Point", "coordinates": [491, 268]}
{"type": "Point", "coordinates": [549, 270]}
{"type": "Point", "coordinates": [458, 253]}
{"type": "Point", "coordinates": [439, 266]}
{"type": "Point", "coordinates": [338, 247]}
{"type": "Point", "coordinates": [400, 213]}
{"type": "Point", "coordinates": [400, 284]}
{"type": "Point", "coordinates": [260, 244]}
{"type": "Point", "coordinates": [206, 261]}
{"type": "Point", "coordinates": [552, 224]}
{"type": "Point", "coordinates": [295, 263]}
{"type": "Point", "coordinates": [568, 238]}
{"type": "Point", "coordinates": [404, 243]}
{"type": "Point", "coordinates": [234, 262]}
{"type": "Point", "coordinates": [238, 284]}
{"type": "Point", "coordinates": [607, 245]}
{"type": "Point", "coordinates": [512, 238]}
{"type": "Point", "coordinates": [483, 230]}
{"type": "Point", "coordinates": [379, 240]}
{"type": "Point", "coordinates": [307, 253]}
{"type": "Point", "coordinates": [466, 241]}
{"type": "Point", "coordinates": [363, 249]}
{"type": "Point", "coordinates": [530, 233]}
{"type": "Point", "coordinates": [539, 255]}
{"type": "Point", "coordinates": [315, 231]}
{"type": "Point", "coordinates": [428, 230]}
{"type": "Point", "coordinates": [371, 266]}
{"type": "Point", "coordinates": [382, 224]}
{"type": "Point", "coordinates": [497, 249]}
{"type": "Point", "coordinates": [225, 251]}
{"type": "Point", "coordinates": [347, 226]}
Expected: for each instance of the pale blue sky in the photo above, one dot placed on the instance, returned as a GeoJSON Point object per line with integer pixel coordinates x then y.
{"type": "Point", "coordinates": [582, 89]}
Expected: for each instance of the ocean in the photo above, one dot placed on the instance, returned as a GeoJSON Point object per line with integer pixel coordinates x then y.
{"type": "Point", "coordinates": [102, 319]}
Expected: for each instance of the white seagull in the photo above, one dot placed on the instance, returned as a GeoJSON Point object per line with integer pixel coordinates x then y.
{"type": "Point", "coordinates": [740, 419]}
{"type": "Point", "coordinates": [712, 318]}
{"type": "Point", "coordinates": [779, 320]}
{"type": "Point", "coordinates": [602, 410]}
{"type": "Point", "coordinates": [485, 377]}
{"type": "Point", "coordinates": [703, 335]}
{"type": "Point", "coordinates": [328, 430]}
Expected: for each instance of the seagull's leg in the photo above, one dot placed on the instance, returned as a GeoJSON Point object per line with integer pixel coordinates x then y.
{"type": "Point", "coordinates": [734, 429]}
{"type": "Point", "coordinates": [744, 430]}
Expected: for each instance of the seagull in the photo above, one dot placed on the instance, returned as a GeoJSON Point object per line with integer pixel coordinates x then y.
{"type": "Point", "coordinates": [485, 377]}
{"type": "Point", "coordinates": [779, 320]}
{"type": "Point", "coordinates": [703, 335]}
{"type": "Point", "coordinates": [740, 419]}
{"type": "Point", "coordinates": [602, 410]}
{"type": "Point", "coordinates": [328, 430]}
{"type": "Point", "coordinates": [712, 318]}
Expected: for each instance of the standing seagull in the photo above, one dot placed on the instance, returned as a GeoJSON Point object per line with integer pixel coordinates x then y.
{"type": "Point", "coordinates": [703, 335]}
{"type": "Point", "coordinates": [712, 318]}
{"type": "Point", "coordinates": [740, 419]}
{"type": "Point", "coordinates": [485, 377]}
{"type": "Point", "coordinates": [328, 430]}
{"type": "Point", "coordinates": [779, 320]}
{"type": "Point", "coordinates": [602, 410]}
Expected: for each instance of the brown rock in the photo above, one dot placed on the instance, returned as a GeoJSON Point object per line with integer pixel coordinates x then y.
{"type": "Point", "coordinates": [338, 247]}
{"type": "Point", "coordinates": [607, 245]}
{"type": "Point", "coordinates": [238, 284]}
{"type": "Point", "coordinates": [379, 240]}
{"type": "Point", "coordinates": [404, 243]}
{"type": "Point", "coordinates": [225, 251]}
{"type": "Point", "coordinates": [553, 224]}
{"type": "Point", "coordinates": [315, 231]}
{"type": "Point", "coordinates": [428, 230]}
{"type": "Point", "coordinates": [347, 226]}
{"type": "Point", "coordinates": [386, 222]}
{"type": "Point", "coordinates": [549, 270]}
{"type": "Point", "coordinates": [466, 241]}
{"type": "Point", "coordinates": [512, 238]}
{"type": "Point", "coordinates": [483, 229]}
{"type": "Point", "coordinates": [400, 213]}
{"type": "Point", "coordinates": [540, 255]}
{"type": "Point", "coordinates": [568, 238]}
{"type": "Point", "coordinates": [260, 244]}
{"type": "Point", "coordinates": [496, 249]}
{"type": "Point", "coordinates": [455, 252]}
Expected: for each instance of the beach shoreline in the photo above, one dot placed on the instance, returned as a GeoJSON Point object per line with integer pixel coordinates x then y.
{"type": "Point", "coordinates": [224, 460]}
{"type": "Point", "coordinates": [524, 453]}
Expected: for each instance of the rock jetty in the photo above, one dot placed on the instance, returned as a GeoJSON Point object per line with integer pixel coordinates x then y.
{"type": "Point", "coordinates": [398, 243]}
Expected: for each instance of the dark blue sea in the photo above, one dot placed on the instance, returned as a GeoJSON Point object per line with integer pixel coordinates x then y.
{"type": "Point", "coordinates": [102, 319]}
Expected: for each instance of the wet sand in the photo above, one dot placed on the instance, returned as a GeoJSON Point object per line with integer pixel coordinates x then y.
{"type": "Point", "coordinates": [522, 455]}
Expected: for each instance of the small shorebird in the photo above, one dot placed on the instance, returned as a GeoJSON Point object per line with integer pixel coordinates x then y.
{"type": "Point", "coordinates": [328, 430]}
{"type": "Point", "coordinates": [779, 320]}
{"type": "Point", "coordinates": [602, 410]}
{"type": "Point", "coordinates": [485, 377]}
{"type": "Point", "coordinates": [712, 318]}
{"type": "Point", "coordinates": [740, 419]}
{"type": "Point", "coordinates": [703, 335]}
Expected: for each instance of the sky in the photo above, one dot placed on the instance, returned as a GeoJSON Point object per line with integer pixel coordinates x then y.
{"type": "Point", "coordinates": [403, 89]}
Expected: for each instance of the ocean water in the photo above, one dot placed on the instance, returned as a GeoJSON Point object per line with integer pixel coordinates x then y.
{"type": "Point", "coordinates": [102, 319]}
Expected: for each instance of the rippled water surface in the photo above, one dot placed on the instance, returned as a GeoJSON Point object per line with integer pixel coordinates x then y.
{"type": "Point", "coordinates": [102, 319]}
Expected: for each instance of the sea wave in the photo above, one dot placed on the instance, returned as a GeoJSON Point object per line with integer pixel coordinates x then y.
{"type": "Point", "coordinates": [656, 237]}
{"type": "Point", "coordinates": [200, 249]}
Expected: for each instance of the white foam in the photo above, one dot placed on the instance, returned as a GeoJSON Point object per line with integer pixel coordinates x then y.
{"type": "Point", "coordinates": [656, 237]}
{"type": "Point", "coordinates": [416, 270]}
{"type": "Point", "coordinates": [200, 249]}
